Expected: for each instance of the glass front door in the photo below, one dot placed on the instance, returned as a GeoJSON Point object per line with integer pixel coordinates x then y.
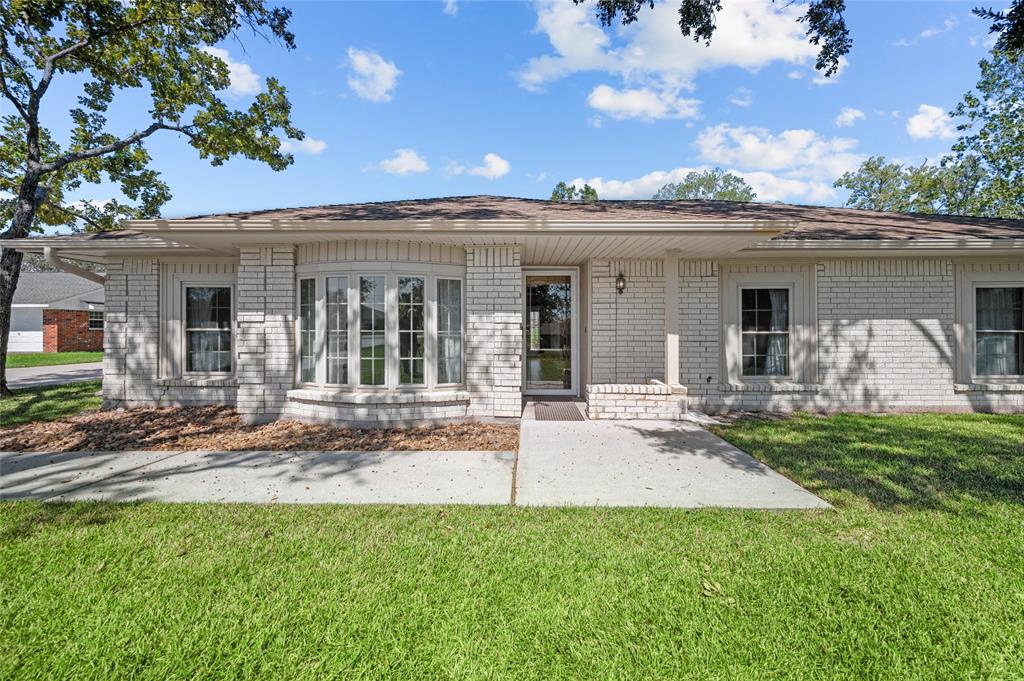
{"type": "Point", "coordinates": [548, 334]}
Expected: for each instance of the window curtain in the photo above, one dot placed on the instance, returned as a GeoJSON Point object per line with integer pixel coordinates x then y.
{"type": "Point", "coordinates": [998, 315]}
{"type": "Point", "coordinates": [778, 352]}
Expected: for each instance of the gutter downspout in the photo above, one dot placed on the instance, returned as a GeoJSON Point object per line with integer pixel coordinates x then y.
{"type": "Point", "coordinates": [51, 257]}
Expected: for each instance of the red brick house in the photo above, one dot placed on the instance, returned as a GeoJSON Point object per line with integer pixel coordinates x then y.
{"type": "Point", "coordinates": [56, 312]}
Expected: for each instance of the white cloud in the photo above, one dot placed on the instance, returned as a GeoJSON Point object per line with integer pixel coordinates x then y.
{"type": "Point", "coordinates": [795, 75]}
{"type": "Point", "coordinates": [742, 97]}
{"type": "Point", "coordinates": [654, 61]}
{"type": "Point", "coordinates": [947, 25]}
{"type": "Point", "coordinates": [308, 145]}
{"type": "Point", "coordinates": [244, 81]}
{"type": "Point", "coordinates": [494, 167]}
{"type": "Point", "coordinates": [404, 161]}
{"type": "Point", "coordinates": [451, 8]}
{"type": "Point", "coordinates": [930, 122]}
{"type": "Point", "coordinates": [644, 104]}
{"type": "Point", "coordinates": [848, 116]}
{"type": "Point", "coordinates": [800, 153]}
{"type": "Point", "coordinates": [767, 186]}
{"type": "Point", "coordinates": [373, 77]}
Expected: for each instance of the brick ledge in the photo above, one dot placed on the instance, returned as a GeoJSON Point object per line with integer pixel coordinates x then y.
{"type": "Point", "coordinates": [196, 382]}
{"type": "Point", "coordinates": [348, 397]}
{"type": "Point", "coordinates": [770, 387]}
{"type": "Point", "coordinates": [988, 387]}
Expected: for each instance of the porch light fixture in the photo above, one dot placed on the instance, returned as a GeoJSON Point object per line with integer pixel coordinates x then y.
{"type": "Point", "coordinates": [620, 283]}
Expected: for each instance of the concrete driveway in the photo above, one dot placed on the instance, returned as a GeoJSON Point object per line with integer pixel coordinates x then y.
{"type": "Point", "coordinates": [645, 463]}
{"type": "Point", "coordinates": [58, 374]}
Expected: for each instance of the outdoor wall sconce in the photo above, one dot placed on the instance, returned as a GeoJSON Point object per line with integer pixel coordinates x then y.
{"type": "Point", "coordinates": [620, 283]}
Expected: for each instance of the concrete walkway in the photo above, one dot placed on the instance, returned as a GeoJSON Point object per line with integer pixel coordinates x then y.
{"type": "Point", "coordinates": [645, 463]}
{"type": "Point", "coordinates": [261, 477]}
{"type": "Point", "coordinates": [578, 463]}
{"type": "Point", "coordinates": [58, 374]}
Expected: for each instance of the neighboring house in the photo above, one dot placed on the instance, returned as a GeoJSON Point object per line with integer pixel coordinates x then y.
{"type": "Point", "coordinates": [458, 307]}
{"type": "Point", "coordinates": [56, 312]}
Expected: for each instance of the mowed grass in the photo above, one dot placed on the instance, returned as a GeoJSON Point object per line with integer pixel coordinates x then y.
{"type": "Point", "coordinates": [918, 573]}
{"type": "Point", "coordinates": [19, 360]}
{"type": "Point", "coordinates": [49, 403]}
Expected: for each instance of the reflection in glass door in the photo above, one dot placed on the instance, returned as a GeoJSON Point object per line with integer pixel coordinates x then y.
{"type": "Point", "coordinates": [548, 333]}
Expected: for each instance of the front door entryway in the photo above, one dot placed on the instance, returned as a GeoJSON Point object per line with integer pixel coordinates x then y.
{"type": "Point", "coordinates": [550, 333]}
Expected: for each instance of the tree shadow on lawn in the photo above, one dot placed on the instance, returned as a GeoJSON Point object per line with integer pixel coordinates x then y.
{"type": "Point", "coordinates": [29, 519]}
{"type": "Point", "coordinates": [894, 462]}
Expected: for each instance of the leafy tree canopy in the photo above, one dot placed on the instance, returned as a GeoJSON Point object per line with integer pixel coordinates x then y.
{"type": "Point", "coordinates": [984, 174]}
{"type": "Point", "coordinates": [708, 185]}
{"type": "Point", "coordinates": [569, 192]}
{"type": "Point", "coordinates": [157, 45]}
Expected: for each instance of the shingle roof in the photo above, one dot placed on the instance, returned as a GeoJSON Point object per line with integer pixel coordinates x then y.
{"type": "Point", "coordinates": [816, 222]}
{"type": "Point", "coordinates": [39, 288]}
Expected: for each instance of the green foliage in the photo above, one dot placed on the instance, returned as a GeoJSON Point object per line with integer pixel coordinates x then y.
{"type": "Point", "coordinates": [993, 133]}
{"type": "Point", "coordinates": [708, 185]}
{"type": "Point", "coordinates": [153, 45]}
{"type": "Point", "coordinates": [984, 176]}
{"type": "Point", "coordinates": [568, 192]}
{"type": "Point", "coordinates": [1008, 24]}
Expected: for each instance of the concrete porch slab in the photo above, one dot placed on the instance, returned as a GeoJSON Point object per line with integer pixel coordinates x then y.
{"type": "Point", "coordinates": [645, 463]}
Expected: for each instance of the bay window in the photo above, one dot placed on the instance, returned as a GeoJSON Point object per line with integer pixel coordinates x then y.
{"type": "Point", "coordinates": [999, 331]}
{"type": "Point", "coordinates": [449, 331]}
{"type": "Point", "coordinates": [366, 330]}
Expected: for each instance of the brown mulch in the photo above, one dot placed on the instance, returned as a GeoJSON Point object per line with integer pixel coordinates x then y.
{"type": "Point", "coordinates": [220, 429]}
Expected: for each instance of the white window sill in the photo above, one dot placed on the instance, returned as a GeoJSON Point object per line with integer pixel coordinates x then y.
{"type": "Point", "coordinates": [769, 387]}
{"type": "Point", "coordinates": [989, 388]}
{"type": "Point", "coordinates": [424, 396]}
{"type": "Point", "coordinates": [219, 382]}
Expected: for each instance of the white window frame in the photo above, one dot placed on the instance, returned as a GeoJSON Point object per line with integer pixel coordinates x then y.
{"type": "Point", "coordinates": [102, 320]}
{"type": "Point", "coordinates": [965, 326]}
{"type": "Point", "coordinates": [183, 335]}
{"type": "Point", "coordinates": [790, 289]}
{"type": "Point", "coordinates": [391, 273]}
{"type": "Point", "coordinates": [435, 329]}
{"type": "Point", "coordinates": [803, 336]}
{"type": "Point", "coordinates": [172, 310]}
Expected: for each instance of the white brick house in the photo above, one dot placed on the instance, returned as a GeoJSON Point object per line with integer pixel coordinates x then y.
{"type": "Point", "coordinates": [458, 308]}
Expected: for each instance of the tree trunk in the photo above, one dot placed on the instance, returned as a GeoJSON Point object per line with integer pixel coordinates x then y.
{"type": "Point", "coordinates": [10, 266]}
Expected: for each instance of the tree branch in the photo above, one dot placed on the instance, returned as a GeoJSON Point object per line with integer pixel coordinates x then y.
{"type": "Point", "coordinates": [84, 154]}
{"type": "Point", "coordinates": [9, 94]}
{"type": "Point", "coordinates": [77, 215]}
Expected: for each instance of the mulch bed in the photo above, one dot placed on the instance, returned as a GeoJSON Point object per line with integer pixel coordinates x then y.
{"type": "Point", "coordinates": [219, 428]}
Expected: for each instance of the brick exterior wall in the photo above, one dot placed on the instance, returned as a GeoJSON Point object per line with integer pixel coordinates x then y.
{"type": "Point", "coordinates": [631, 401]}
{"type": "Point", "coordinates": [494, 330]}
{"type": "Point", "coordinates": [627, 330]}
{"type": "Point", "coordinates": [68, 331]}
{"type": "Point", "coordinates": [265, 367]}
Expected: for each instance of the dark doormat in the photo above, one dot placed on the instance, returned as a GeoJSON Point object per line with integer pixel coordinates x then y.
{"type": "Point", "coordinates": [557, 411]}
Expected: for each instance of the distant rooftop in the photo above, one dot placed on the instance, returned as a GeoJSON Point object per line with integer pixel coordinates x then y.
{"type": "Point", "coordinates": [43, 288]}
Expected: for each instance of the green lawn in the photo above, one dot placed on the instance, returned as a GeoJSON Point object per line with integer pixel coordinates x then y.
{"type": "Point", "coordinates": [19, 360]}
{"type": "Point", "coordinates": [918, 573]}
{"type": "Point", "coordinates": [49, 403]}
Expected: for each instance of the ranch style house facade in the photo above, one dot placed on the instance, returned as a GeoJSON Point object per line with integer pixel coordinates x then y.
{"type": "Point", "coordinates": [455, 308]}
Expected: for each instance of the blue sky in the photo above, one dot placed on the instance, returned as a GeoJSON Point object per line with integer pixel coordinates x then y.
{"type": "Point", "coordinates": [418, 99]}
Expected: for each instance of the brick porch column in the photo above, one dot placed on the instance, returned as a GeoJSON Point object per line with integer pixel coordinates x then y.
{"type": "Point", "coordinates": [494, 330]}
{"type": "Point", "coordinates": [265, 335]}
{"type": "Point", "coordinates": [672, 317]}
